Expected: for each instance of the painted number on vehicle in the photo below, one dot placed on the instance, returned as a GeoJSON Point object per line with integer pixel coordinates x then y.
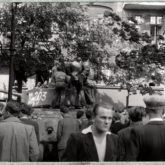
{"type": "Point", "coordinates": [37, 97]}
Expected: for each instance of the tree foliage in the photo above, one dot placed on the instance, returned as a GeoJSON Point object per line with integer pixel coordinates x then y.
{"type": "Point", "coordinates": [49, 31]}
{"type": "Point", "coordinates": [41, 31]}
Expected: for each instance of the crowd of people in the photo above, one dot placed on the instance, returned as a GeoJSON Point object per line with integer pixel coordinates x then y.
{"type": "Point", "coordinates": [135, 134]}
{"type": "Point", "coordinates": [97, 134]}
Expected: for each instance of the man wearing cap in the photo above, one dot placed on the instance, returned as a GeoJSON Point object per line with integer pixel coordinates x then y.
{"type": "Point", "coordinates": [149, 140]}
{"type": "Point", "coordinates": [18, 141]}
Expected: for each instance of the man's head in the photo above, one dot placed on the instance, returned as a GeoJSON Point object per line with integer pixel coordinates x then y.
{"type": "Point", "coordinates": [79, 114]}
{"type": "Point", "coordinates": [88, 114]}
{"type": "Point", "coordinates": [136, 113]}
{"type": "Point", "coordinates": [124, 118]}
{"type": "Point", "coordinates": [26, 109]}
{"type": "Point", "coordinates": [12, 109]}
{"type": "Point", "coordinates": [102, 118]}
{"type": "Point", "coordinates": [64, 110]}
{"type": "Point", "coordinates": [155, 104]}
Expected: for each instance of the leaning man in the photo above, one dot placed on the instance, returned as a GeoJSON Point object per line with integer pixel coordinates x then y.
{"type": "Point", "coordinates": [94, 143]}
{"type": "Point", "coordinates": [18, 141]}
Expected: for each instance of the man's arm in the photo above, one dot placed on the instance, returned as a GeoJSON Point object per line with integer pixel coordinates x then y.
{"type": "Point", "coordinates": [121, 147]}
{"type": "Point", "coordinates": [71, 151]}
{"type": "Point", "coordinates": [33, 148]}
{"type": "Point", "coordinates": [134, 146]}
{"type": "Point", "coordinates": [59, 130]}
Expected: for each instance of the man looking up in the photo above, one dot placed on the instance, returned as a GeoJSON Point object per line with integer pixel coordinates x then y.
{"type": "Point", "coordinates": [95, 143]}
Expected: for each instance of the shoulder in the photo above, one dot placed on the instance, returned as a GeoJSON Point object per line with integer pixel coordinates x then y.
{"type": "Point", "coordinates": [61, 121]}
{"type": "Point", "coordinates": [112, 136]}
{"type": "Point", "coordinates": [124, 131]}
{"type": "Point", "coordinates": [75, 139]}
{"type": "Point", "coordinates": [29, 128]}
{"type": "Point", "coordinates": [138, 130]}
{"type": "Point", "coordinates": [112, 139]}
{"type": "Point", "coordinates": [78, 137]}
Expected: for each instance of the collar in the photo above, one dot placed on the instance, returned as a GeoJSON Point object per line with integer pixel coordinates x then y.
{"type": "Point", "coordinates": [89, 130]}
{"type": "Point", "coordinates": [24, 117]}
{"type": "Point", "coordinates": [67, 115]}
{"type": "Point", "coordinates": [12, 119]}
{"type": "Point", "coordinates": [156, 119]}
{"type": "Point", "coordinates": [136, 123]}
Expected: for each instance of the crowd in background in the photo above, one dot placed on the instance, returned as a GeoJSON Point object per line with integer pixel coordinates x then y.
{"type": "Point", "coordinates": [97, 134]}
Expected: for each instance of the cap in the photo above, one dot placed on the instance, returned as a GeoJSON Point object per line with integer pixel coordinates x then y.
{"type": "Point", "coordinates": [154, 101]}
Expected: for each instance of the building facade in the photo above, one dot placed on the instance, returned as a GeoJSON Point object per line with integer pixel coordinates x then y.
{"type": "Point", "coordinates": [150, 16]}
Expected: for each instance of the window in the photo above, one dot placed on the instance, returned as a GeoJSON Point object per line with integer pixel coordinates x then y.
{"type": "Point", "coordinates": [159, 20]}
{"type": "Point", "coordinates": [155, 20]}
{"type": "Point", "coordinates": [138, 19]}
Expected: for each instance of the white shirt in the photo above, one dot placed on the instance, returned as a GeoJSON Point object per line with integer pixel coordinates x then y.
{"type": "Point", "coordinates": [100, 147]}
{"type": "Point", "coordinates": [156, 119]}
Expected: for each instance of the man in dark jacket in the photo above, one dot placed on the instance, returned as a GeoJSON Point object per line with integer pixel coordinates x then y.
{"type": "Point", "coordinates": [136, 115]}
{"type": "Point", "coordinates": [95, 143]}
{"type": "Point", "coordinates": [66, 126]}
{"type": "Point", "coordinates": [149, 140]}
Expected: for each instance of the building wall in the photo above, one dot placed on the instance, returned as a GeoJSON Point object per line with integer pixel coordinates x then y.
{"type": "Point", "coordinates": [145, 15]}
{"type": "Point", "coordinates": [98, 8]}
{"type": "Point", "coordinates": [118, 7]}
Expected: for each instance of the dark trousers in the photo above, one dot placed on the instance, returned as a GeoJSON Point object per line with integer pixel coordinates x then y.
{"type": "Point", "coordinates": [59, 97]}
{"type": "Point", "coordinates": [60, 153]}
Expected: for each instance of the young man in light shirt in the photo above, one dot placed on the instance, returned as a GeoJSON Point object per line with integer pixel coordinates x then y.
{"type": "Point", "coordinates": [95, 143]}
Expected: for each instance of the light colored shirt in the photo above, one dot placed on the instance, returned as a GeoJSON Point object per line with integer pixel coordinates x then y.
{"type": "Point", "coordinates": [156, 119]}
{"type": "Point", "coordinates": [89, 129]}
{"type": "Point", "coordinates": [101, 147]}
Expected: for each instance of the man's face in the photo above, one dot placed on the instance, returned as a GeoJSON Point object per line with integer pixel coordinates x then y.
{"type": "Point", "coordinates": [103, 119]}
{"type": "Point", "coordinates": [124, 117]}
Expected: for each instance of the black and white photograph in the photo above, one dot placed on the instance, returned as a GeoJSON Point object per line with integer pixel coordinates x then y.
{"type": "Point", "coordinates": [82, 81]}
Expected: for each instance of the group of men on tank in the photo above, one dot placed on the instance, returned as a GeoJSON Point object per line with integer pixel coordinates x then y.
{"type": "Point", "coordinates": [73, 82]}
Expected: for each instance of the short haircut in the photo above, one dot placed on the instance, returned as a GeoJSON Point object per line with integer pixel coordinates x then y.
{"type": "Point", "coordinates": [59, 68]}
{"type": "Point", "coordinates": [79, 114]}
{"type": "Point", "coordinates": [97, 106]}
{"type": "Point", "coordinates": [13, 108]}
{"type": "Point", "coordinates": [116, 116]}
{"type": "Point", "coordinates": [64, 109]}
{"type": "Point", "coordinates": [154, 110]}
{"type": "Point", "coordinates": [88, 114]}
{"type": "Point", "coordinates": [136, 113]}
{"type": "Point", "coordinates": [26, 109]}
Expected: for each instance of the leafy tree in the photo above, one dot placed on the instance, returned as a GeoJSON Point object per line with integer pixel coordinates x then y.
{"type": "Point", "coordinates": [49, 31]}
{"type": "Point", "coordinates": [105, 38]}
{"type": "Point", "coordinates": [41, 33]}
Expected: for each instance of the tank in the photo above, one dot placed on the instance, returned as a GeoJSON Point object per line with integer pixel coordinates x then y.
{"type": "Point", "coordinates": [47, 117]}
